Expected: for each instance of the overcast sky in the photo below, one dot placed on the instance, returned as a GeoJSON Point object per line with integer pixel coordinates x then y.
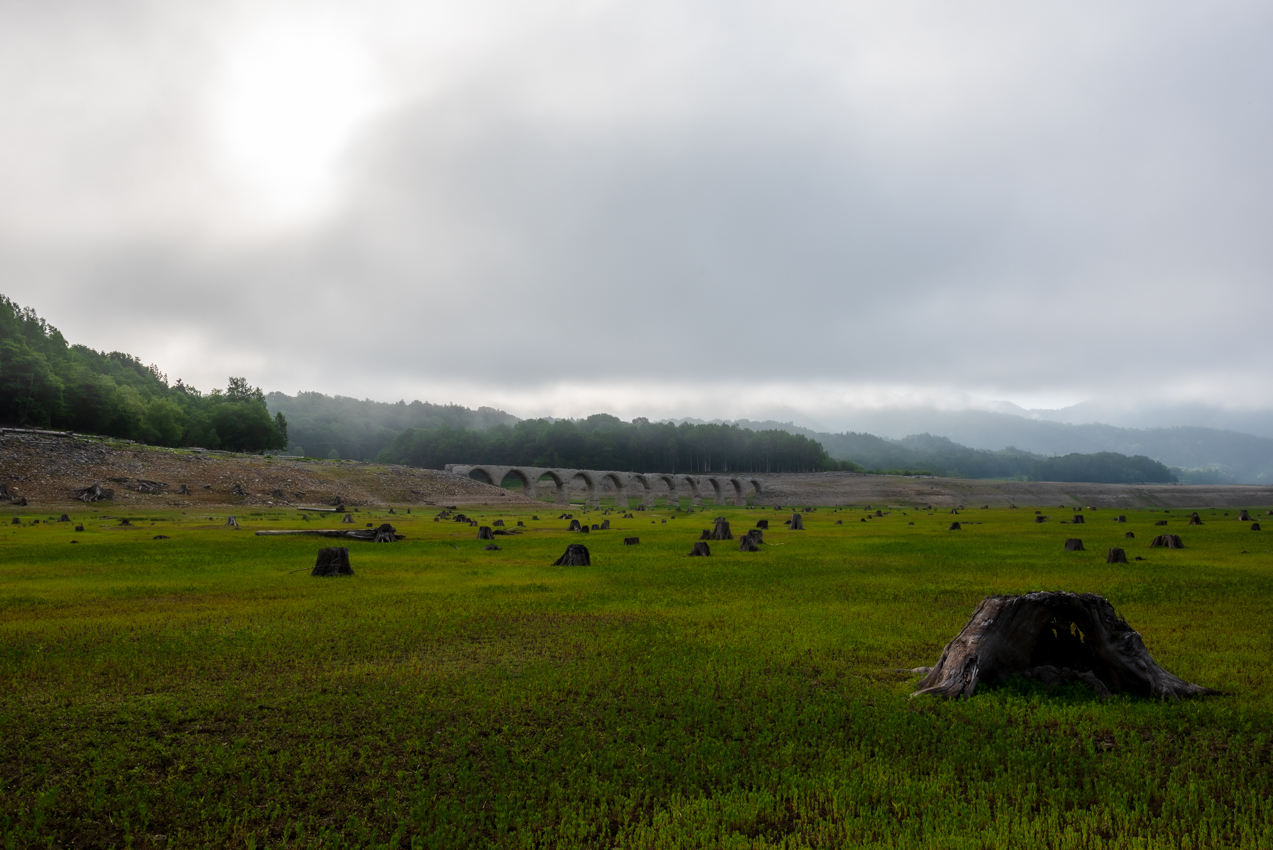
{"type": "Point", "coordinates": [700, 209]}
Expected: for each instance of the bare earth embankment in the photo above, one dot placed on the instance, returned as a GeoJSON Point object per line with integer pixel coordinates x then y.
{"type": "Point", "coordinates": [47, 470]}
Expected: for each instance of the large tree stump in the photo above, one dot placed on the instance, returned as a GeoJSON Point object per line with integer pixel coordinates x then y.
{"type": "Point", "coordinates": [632, 541]}
{"type": "Point", "coordinates": [1115, 556]}
{"type": "Point", "coordinates": [700, 550]}
{"type": "Point", "coordinates": [1049, 634]}
{"type": "Point", "coordinates": [1243, 516]}
{"type": "Point", "coordinates": [94, 493]}
{"type": "Point", "coordinates": [575, 525]}
{"type": "Point", "coordinates": [721, 530]}
{"type": "Point", "coordinates": [747, 544]}
{"type": "Point", "coordinates": [498, 522]}
{"type": "Point", "coordinates": [347, 518]}
{"type": "Point", "coordinates": [756, 535]}
{"type": "Point", "coordinates": [484, 533]}
{"type": "Point", "coordinates": [797, 524]}
{"type": "Point", "coordinates": [16, 521]}
{"type": "Point", "coordinates": [576, 555]}
{"type": "Point", "coordinates": [231, 521]}
{"type": "Point", "coordinates": [1073, 544]}
{"type": "Point", "coordinates": [333, 561]}
{"type": "Point", "coordinates": [1168, 541]}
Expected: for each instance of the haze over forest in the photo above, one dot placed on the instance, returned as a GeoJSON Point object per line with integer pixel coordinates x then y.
{"type": "Point", "coordinates": [1005, 225]}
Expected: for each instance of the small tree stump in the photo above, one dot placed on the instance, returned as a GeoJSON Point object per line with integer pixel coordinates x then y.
{"type": "Point", "coordinates": [160, 537]}
{"type": "Point", "coordinates": [1115, 556]}
{"type": "Point", "coordinates": [756, 535]}
{"type": "Point", "coordinates": [238, 490]}
{"type": "Point", "coordinates": [839, 522]}
{"type": "Point", "coordinates": [484, 533]}
{"type": "Point", "coordinates": [183, 490]}
{"type": "Point", "coordinates": [498, 522]}
{"type": "Point", "coordinates": [575, 525]}
{"type": "Point", "coordinates": [1243, 516]}
{"type": "Point", "coordinates": [706, 535]}
{"type": "Point", "coordinates": [16, 521]}
{"type": "Point", "coordinates": [721, 530]}
{"type": "Point", "coordinates": [1131, 535]}
{"type": "Point", "coordinates": [349, 518]}
{"type": "Point", "coordinates": [605, 525]}
{"type": "Point", "coordinates": [64, 518]}
{"type": "Point", "coordinates": [1038, 519]}
{"type": "Point", "coordinates": [1044, 635]}
{"type": "Point", "coordinates": [1161, 522]}
{"type": "Point", "coordinates": [797, 524]}
{"type": "Point", "coordinates": [94, 493]}
{"type": "Point", "coordinates": [700, 550]}
{"type": "Point", "coordinates": [762, 523]}
{"type": "Point", "coordinates": [1073, 544]}
{"type": "Point", "coordinates": [631, 541]}
{"type": "Point", "coordinates": [231, 521]}
{"type": "Point", "coordinates": [583, 529]}
{"type": "Point", "coordinates": [1078, 520]}
{"type": "Point", "coordinates": [1255, 526]}
{"type": "Point", "coordinates": [954, 526]}
{"type": "Point", "coordinates": [576, 555]}
{"type": "Point", "coordinates": [746, 544]}
{"type": "Point", "coordinates": [1121, 518]}
{"type": "Point", "coordinates": [1167, 541]}
{"type": "Point", "coordinates": [77, 528]}
{"type": "Point", "coordinates": [333, 561]}
{"type": "Point", "coordinates": [1194, 520]}
{"type": "Point", "coordinates": [491, 547]}
{"type": "Point", "coordinates": [521, 524]}
{"type": "Point", "coordinates": [386, 533]}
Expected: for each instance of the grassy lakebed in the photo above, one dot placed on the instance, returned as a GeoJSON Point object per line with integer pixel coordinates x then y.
{"type": "Point", "coordinates": [195, 691]}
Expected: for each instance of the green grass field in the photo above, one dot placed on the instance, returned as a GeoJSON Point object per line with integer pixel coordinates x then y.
{"type": "Point", "coordinates": [195, 692]}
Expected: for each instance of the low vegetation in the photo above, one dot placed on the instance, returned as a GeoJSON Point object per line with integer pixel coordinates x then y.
{"type": "Point", "coordinates": [203, 690]}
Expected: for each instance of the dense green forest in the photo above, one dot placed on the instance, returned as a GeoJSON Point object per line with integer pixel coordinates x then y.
{"type": "Point", "coordinates": [605, 442]}
{"type": "Point", "coordinates": [341, 427]}
{"type": "Point", "coordinates": [47, 383]}
{"type": "Point", "coordinates": [1105, 467]}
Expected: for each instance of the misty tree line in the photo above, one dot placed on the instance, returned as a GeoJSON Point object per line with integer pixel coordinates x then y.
{"type": "Point", "coordinates": [605, 442]}
{"type": "Point", "coordinates": [47, 383]}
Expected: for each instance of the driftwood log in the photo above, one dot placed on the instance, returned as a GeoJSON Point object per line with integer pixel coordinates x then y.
{"type": "Point", "coordinates": [333, 561]}
{"type": "Point", "coordinates": [1115, 556]}
{"type": "Point", "coordinates": [1051, 635]}
{"type": "Point", "coordinates": [1166, 541]}
{"type": "Point", "coordinates": [631, 541]}
{"type": "Point", "coordinates": [367, 535]}
{"type": "Point", "coordinates": [1073, 544]}
{"type": "Point", "coordinates": [700, 550]}
{"type": "Point", "coordinates": [576, 555]}
{"type": "Point", "coordinates": [797, 524]}
{"type": "Point", "coordinates": [94, 493]}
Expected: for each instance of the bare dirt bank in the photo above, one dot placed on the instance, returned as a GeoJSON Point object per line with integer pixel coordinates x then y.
{"type": "Point", "coordinates": [47, 469]}
{"type": "Point", "coordinates": [848, 488]}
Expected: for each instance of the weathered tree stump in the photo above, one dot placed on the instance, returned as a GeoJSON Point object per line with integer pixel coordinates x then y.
{"type": "Point", "coordinates": [721, 530]}
{"type": "Point", "coordinates": [631, 541]}
{"type": "Point", "coordinates": [393, 512]}
{"type": "Point", "coordinates": [484, 533]}
{"type": "Point", "coordinates": [706, 535]}
{"type": "Point", "coordinates": [491, 547]}
{"type": "Point", "coordinates": [183, 490]}
{"type": "Point", "coordinates": [1161, 522]}
{"type": "Point", "coordinates": [161, 537]}
{"type": "Point", "coordinates": [533, 517]}
{"type": "Point", "coordinates": [954, 526]}
{"type": "Point", "coordinates": [700, 550]}
{"type": "Point", "coordinates": [349, 518]}
{"type": "Point", "coordinates": [231, 521]}
{"type": "Point", "coordinates": [797, 524]}
{"type": "Point", "coordinates": [583, 529]}
{"type": "Point", "coordinates": [1078, 520]}
{"type": "Point", "coordinates": [521, 524]}
{"type": "Point", "coordinates": [332, 561]}
{"type": "Point", "coordinates": [1168, 541]}
{"type": "Point", "coordinates": [1243, 516]}
{"type": "Point", "coordinates": [839, 522]}
{"type": "Point", "coordinates": [1130, 535]}
{"type": "Point", "coordinates": [1194, 520]}
{"type": "Point", "coordinates": [1040, 518]}
{"type": "Point", "coordinates": [1051, 635]}
{"type": "Point", "coordinates": [77, 528]}
{"type": "Point", "coordinates": [238, 490]}
{"type": "Point", "coordinates": [64, 518]}
{"type": "Point", "coordinates": [5, 495]}
{"type": "Point", "coordinates": [575, 525]}
{"type": "Point", "coordinates": [756, 535]}
{"type": "Point", "coordinates": [16, 521]}
{"type": "Point", "coordinates": [605, 525]}
{"type": "Point", "coordinates": [762, 523]}
{"type": "Point", "coordinates": [746, 544]}
{"type": "Point", "coordinates": [1255, 526]}
{"type": "Point", "coordinates": [576, 555]}
{"type": "Point", "coordinates": [498, 522]}
{"type": "Point", "coordinates": [94, 493]}
{"type": "Point", "coordinates": [1115, 556]}
{"type": "Point", "coordinates": [1073, 544]}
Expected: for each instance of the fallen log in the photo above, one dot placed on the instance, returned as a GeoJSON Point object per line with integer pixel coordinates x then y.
{"type": "Point", "coordinates": [1025, 635]}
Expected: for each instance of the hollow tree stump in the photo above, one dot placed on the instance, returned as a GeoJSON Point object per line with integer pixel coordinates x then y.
{"type": "Point", "coordinates": [954, 526]}
{"type": "Point", "coordinates": [332, 561]}
{"type": "Point", "coordinates": [576, 555]}
{"type": "Point", "coordinates": [1166, 541]}
{"type": "Point", "coordinates": [1051, 635]}
{"type": "Point", "coordinates": [1073, 544]}
{"type": "Point", "coordinates": [1115, 556]}
{"type": "Point", "coordinates": [797, 524]}
{"type": "Point", "coordinates": [700, 550]}
{"type": "Point", "coordinates": [484, 533]}
{"type": "Point", "coordinates": [632, 541]}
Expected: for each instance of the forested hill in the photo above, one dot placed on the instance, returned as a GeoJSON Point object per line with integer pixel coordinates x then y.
{"type": "Point", "coordinates": [341, 427]}
{"type": "Point", "coordinates": [47, 383]}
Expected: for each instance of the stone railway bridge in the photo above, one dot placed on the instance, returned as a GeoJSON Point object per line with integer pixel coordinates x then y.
{"type": "Point", "coordinates": [722, 488]}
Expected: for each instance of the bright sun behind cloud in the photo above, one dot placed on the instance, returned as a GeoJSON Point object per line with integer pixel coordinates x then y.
{"type": "Point", "coordinates": [291, 97]}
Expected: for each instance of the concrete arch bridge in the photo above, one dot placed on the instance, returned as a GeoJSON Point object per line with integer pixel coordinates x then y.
{"type": "Point", "coordinates": [721, 488]}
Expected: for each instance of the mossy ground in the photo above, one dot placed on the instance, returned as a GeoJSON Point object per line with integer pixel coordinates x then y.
{"type": "Point", "coordinates": [195, 691]}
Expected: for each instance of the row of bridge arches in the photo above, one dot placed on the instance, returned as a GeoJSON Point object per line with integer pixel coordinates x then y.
{"type": "Point", "coordinates": [644, 486]}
